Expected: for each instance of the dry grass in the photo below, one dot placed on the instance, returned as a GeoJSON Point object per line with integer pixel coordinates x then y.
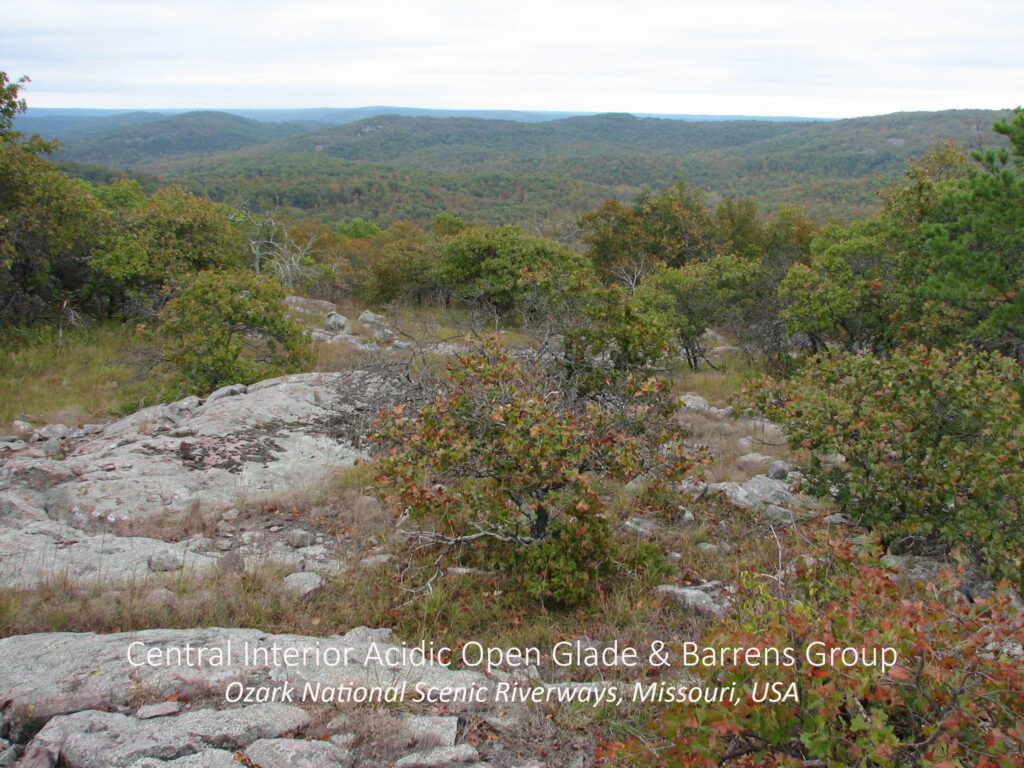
{"type": "Point", "coordinates": [89, 374]}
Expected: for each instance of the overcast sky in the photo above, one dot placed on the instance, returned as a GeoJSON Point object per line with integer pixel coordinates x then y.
{"type": "Point", "coordinates": [816, 58]}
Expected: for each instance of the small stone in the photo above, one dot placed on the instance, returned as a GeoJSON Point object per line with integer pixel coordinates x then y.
{"type": "Point", "coordinates": [692, 600]}
{"type": "Point", "coordinates": [298, 538]}
{"type": "Point", "coordinates": [694, 404]}
{"type": "Point", "coordinates": [50, 432]}
{"type": "Point", "coordinates": [165, 560]}
{"type": "Point", "coordinates": [688, 517]}
{"type": "Point", "coordinates": [779, 514]}
{"type": "Point", "coordinates": [230, 514]}
{"type": "Point", "coordinates": [753, 462]}
{"type": "Point", "coordinates": [337, 323]}
{"type": "Point", "coordinates": [22, 428]}
{"type": "Point", "coordinates": [304, 584]}
{"type": "Point", "coordinates": [642, 527]}
{"type": "Point", "coordinates": [837, 518]}
{"type": "Point", "coordinates": [375, 561]}
{"type": "Point", "coordinates": [778, 470]}
{"type": "Point", "coordinates": [163, 709]}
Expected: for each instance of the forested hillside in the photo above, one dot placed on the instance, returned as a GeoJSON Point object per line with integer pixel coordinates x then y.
{"type": "Point", "coordinates": [541, 173]}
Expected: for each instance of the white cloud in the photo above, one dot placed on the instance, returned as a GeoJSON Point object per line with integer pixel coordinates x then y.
{"type": "Point", "coordinates": [735, 56]}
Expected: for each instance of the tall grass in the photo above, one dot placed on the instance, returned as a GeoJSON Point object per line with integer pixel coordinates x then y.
{"type": "Point", "coordinates": [85, 374]}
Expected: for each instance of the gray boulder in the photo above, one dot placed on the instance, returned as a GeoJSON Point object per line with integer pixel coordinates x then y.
{"type": "Point", "coordinates": [337, 323]}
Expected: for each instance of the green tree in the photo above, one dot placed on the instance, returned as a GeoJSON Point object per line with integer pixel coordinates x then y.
{"type": "Point", "coordinates": [487, 266]}
{"type": "Point", "coordinates": [626, 243]}
{"type": "Point", "coordinates": [51, 227]}
{"type": "Point", "coordinates": [845, 293]}
{"type": "Point", "coordinates": [975, 246]}
{"type": "Point", "coordinates": [161, 242]}
{"type": "Point", "coordinates": [689, 299]}
{"type": "Point", "coordinates": [231, 327]}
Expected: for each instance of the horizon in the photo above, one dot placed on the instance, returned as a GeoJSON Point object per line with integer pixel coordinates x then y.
{"type": "Point", "coordinates": [740, 57]}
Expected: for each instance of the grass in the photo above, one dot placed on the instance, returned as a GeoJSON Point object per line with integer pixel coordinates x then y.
{"type": "Point", "coordinates": [89, 374]}
{"type": "Point", "coordinates": [717, 385]}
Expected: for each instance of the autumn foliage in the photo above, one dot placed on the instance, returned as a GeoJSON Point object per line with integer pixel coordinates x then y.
{"type": "Point", "coordinates": [501, 466]}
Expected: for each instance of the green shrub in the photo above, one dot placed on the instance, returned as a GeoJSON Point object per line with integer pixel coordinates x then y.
{"type": "Point", "coordinates": [933, 443]}
{"type": "Point", "coordinates": [230, 327]}
{"type": "Point", "coordinates": [497, 469]}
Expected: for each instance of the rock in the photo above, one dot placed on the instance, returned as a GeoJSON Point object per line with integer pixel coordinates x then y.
{"type": "Point", "coordinates": [693, 601]}
{"type": "Point", "coordinates": [745, 444]}
{"type": "Point", "coordinates": [737, 494]}
{"type": "Point", "coordinates": [304, 584]}
{"type": "Point", "coordinates": [837, 518]}
{"type": "Point", "coordinates": [276, 435]}
{"type": "Point", "coordinates": [708, 546]}
{"type": "Point", "coordinates": [430, 730]}
{"type": "Point", "coordinates": [641, 527]}
{"type": "Point", "coordinates": [694, 404]}
{"type": "Point", "coordinates": [162, 709]}
{"type": "Point", "coordinates": [165, 560]}
{"type": "Point", "coordinates": [37, 757]}
{"type": "Point", "coordinates": [375, 561]}
{"type": "Point", "coordinates": [229, 391]}
{"type": "Point", "coordinates": [913, 568]}
{"type": "Point", "coordinates": [94, 673]}
{"type": "Point", "coordinates": [768, 491]}
{"type": "Point", "coordinates": [337, 323]}
{"type": "Point", "coordinates": [371, 318]}
{"type": "Point", "coordinates": [94, 739]}
{"type": "Point", "coordinates": [753, 462]}
{"type": "Point", "coordinates": [688, 518]}
{"type": "Point", "coordinates": [310, 306]}
{"type": "Point", "coordinates": [779, 514]}
{"type": "Point", "coordinates": [294, 753]}
{"type": "Point", "coordinates": [50, 432]}
{"type": "Point", "coordinates": [21, 428]}
{"type": "Point", "coordinates": [439, 756]}
{"type": "Point", "coordinates": [208, 758]}
{"type": "Point", "coordinates": [778, 470]}
{"type": "Point", "coordinates": [298, 538]}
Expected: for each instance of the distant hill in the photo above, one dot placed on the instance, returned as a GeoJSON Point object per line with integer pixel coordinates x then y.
{"type": "Point", "coordinates": [140, 142]}
{"type": "Point", "coordinates": [414, 166]}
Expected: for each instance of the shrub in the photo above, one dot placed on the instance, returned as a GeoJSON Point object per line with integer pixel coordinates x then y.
{"type": "Point", "coordinates": [933, 443]}
{"type": "Point", "coordinates": [226, 328]}
{"type": "Point", "coordinates": [498, 469]}
{"type": "Point", "coordinates": [953, 697]}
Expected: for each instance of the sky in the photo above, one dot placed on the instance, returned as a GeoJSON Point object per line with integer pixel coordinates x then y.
{"type": "Point", "coordinates": [811, 58]}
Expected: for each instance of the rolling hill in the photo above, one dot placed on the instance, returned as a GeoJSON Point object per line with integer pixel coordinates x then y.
{"type": "Point", "coordinates": [412, 167]}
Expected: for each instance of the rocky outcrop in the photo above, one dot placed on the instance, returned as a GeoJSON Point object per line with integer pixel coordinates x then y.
{"type": "Point", "coordinates": [206, 691]}
{"type": "Point", "coordinates": [67, 511]}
